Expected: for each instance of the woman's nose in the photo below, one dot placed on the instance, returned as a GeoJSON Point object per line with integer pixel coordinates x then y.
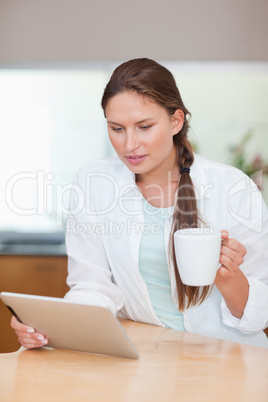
{"type": "Point", "coordinates": [132, 141]}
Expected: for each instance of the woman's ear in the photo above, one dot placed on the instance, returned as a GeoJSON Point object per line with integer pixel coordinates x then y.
{"type": "Point", "coordinates": [177, 121]}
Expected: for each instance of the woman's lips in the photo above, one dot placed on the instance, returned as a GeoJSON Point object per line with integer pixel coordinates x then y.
{"type": "Point", "coordinates": [135, 159]}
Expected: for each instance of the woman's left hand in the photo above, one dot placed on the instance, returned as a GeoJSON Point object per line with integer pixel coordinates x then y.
{"type": "Point", "coordinates": [230, 280]}
{"type": "Point", "coordinates": [232, 256]}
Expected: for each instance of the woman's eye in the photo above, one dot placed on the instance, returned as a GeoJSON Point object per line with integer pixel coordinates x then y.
{"type": "Point", "coordinates": [145, 127]}
{"type": "Point", "coordinates": [117, 129]}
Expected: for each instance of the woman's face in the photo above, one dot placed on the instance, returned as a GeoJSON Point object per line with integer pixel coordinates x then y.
{"type": "Point", "coordinates": [141, 133]}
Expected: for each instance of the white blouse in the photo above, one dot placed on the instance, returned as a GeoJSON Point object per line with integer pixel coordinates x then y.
{"type": "Point", "coordinates": [103, 234]}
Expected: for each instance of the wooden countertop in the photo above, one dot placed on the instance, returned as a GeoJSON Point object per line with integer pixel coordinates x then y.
{"type": "Point", "coordinates": [173, 366]}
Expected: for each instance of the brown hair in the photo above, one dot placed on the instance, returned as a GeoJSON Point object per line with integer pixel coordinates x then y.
{"type": "Point", "coordinates": [150, 79]}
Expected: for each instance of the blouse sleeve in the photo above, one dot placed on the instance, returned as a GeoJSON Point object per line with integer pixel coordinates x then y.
{"type": "Point", "coordinates": [89, 274]}
{"type": "Point", "coordinates": [249, 225]}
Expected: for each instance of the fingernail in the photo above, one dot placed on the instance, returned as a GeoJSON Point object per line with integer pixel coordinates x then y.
{"type": "Point", "coordinates": [30, 330]}
{"type": "Point", "coordinates": [44, 341]}
{"type": "Point", "coordinates": [40, 338]}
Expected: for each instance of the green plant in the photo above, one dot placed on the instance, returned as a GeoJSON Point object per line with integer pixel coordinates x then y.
{"type": "Point", "coordinates": [239, 158]}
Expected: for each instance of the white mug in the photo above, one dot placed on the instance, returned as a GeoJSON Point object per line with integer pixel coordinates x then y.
{"type": "Point", "coordinates": [197, 254]}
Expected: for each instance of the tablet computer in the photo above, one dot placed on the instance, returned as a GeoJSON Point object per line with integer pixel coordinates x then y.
{"type": "Point", "coordinates": [73, 326]}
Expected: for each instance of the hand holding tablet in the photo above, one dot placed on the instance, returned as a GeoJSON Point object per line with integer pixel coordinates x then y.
{"type": "Point", "coordinates": [68, 325]}
{"type": "Point", "coordinates": [27, 336]}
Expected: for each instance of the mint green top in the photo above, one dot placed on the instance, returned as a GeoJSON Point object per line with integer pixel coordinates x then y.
{"type": "Point", "coordinates": [153, 265]}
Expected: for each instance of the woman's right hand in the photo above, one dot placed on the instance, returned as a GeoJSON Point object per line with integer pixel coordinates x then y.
{"type": "Point", "coordinates": [27, 336]}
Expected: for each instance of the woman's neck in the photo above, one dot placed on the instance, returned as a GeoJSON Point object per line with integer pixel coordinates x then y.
{"type": "Point", "coordinates": [159, 191]}
{"type": "Point", "coordinates": [164, 173]}
{"type": "Point", "coordinates": [159, 186]}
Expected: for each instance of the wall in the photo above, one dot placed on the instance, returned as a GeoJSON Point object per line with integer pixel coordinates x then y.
{"type": "Point", "coordinates": [217, 50]}
{"type": "Point", "coordinates": [66, 31]}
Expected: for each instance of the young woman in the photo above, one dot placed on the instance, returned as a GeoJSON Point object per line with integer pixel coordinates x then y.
{"type": "Point", "coordinates": [124, 212]}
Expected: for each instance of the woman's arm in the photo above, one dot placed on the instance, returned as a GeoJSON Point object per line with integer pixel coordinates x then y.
{"type": "Point", "coordinates": [89, 274]}
{"type": "Point", "coordinates": [230, 280]}
{"type": "Point", "coordinates": [245, 294]}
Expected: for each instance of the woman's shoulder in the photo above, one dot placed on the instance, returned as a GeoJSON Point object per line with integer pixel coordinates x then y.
{"type": "Point", "coordinates": [102, 164]}
{"type": "Point", "coordinates": [110, 166]}
{"type": "Point", "coordinates": [215, 168]}
{"type": "Point", "coordinates": [221, 179]}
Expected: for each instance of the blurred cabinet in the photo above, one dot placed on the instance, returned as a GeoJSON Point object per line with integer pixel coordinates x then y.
{"type": "Point", "coordinates": [40, 275]}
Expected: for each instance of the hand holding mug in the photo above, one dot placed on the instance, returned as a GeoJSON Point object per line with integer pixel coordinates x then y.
{"type": "Point", "coordinates": [232, 256]}
{"type": "Point", "coordinates": [204, 255]}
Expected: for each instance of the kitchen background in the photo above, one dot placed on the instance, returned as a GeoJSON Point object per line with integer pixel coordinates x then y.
{"type": "Point", "coordinates": [56, 57]}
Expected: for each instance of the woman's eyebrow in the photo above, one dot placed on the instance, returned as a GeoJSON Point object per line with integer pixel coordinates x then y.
{"type": "Point", "coordinates": [113, 122]}
{"type": "Point", "coordinates": [137, 122]}
{"type": "Point", "coordinates": [144, 120]}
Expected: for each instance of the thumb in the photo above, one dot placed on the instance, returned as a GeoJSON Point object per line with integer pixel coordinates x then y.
{"type": "Point", "coordinates": [224, 234]}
